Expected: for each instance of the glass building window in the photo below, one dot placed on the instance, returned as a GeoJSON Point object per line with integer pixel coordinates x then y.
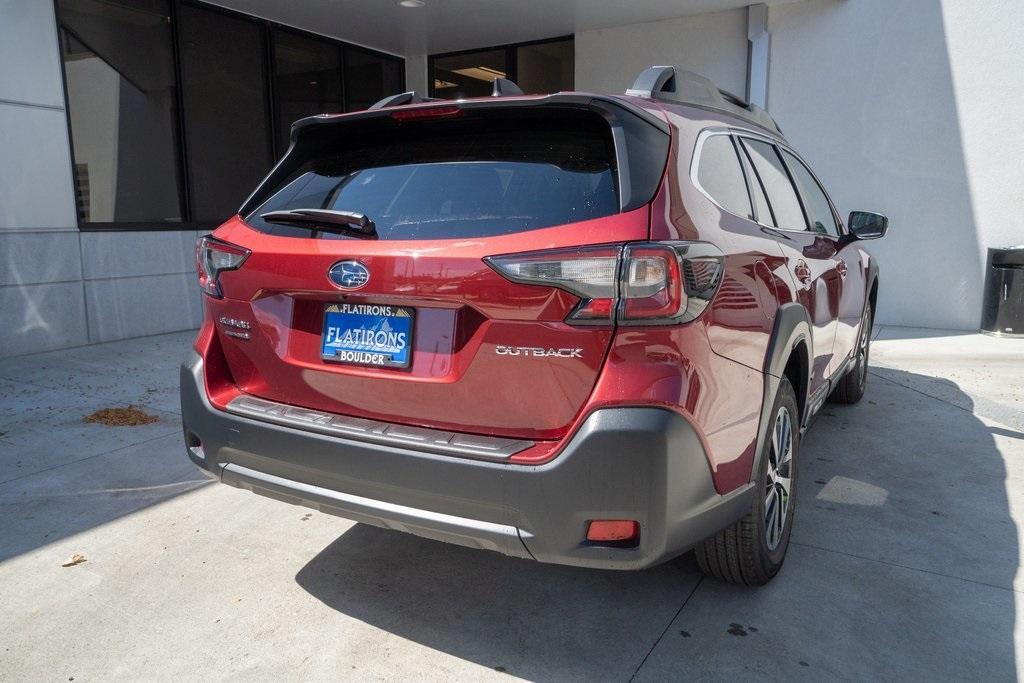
{"type": "Point", "coordinates": [537, 68]}
{"type": "Point", "coordinates": [468, 75]}
{"type": "Point", "coordinates": [307, 80]}
{"type": "Point", "coordinates": [370, 76]}
{"type": "Point", "coordinates": [545, 67]}
{"type": "Point", "coordinates": [177, 108]}
{"type": "Point", "coordinates": [122, 103]}
{"type": "Point", "coordinates": [225, 107]}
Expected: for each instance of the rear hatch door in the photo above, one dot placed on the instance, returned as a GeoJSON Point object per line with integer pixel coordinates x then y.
{"type": "Point", "coordinates": [403, 321]}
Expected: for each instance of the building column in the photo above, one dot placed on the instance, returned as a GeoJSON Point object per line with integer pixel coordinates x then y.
{"type": "Point", "coordinates": [758, 52]}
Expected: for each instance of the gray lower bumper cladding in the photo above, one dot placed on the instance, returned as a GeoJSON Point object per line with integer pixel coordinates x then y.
{"type": "Point", "coordinates": [645, 464]}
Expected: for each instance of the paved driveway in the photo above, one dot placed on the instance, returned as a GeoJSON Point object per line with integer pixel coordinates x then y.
{"type": "Point", "coordinates": [903, 565]}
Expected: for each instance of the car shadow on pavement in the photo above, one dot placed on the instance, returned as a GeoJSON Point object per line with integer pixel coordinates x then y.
{"type": "Point", "coordinates": [902, 565]}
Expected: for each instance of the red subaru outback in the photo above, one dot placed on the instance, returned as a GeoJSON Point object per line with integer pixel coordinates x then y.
{"type": "Point", "coordinates": [583, 329]}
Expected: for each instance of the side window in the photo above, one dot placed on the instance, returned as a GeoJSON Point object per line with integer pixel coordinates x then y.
{"type": "Point", "coordinates": [781, 194]}
{"type": "Point", "coordinates": [764, 209]}
{"type": "Point", "coordinates": [819, 211]}
{"type": "Point", "coordinates": [719, 174]}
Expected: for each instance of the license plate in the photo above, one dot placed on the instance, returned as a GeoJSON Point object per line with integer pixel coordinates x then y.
{"type": "Point", "coordinates": [368, 334]}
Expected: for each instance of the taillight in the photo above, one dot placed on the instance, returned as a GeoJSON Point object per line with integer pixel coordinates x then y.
{"type": "Point", "coordinates": [214, 257]}
{"type": "Point", "coordinates": [591, 273]}
{"type": "Point", "coordinates": [645, 283]}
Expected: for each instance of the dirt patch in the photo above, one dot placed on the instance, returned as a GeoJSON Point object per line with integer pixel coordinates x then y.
{"type": "Point", "coordinates": [121, 417]}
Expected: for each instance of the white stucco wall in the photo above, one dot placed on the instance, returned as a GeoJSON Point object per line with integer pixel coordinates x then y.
{"type": "Point", "coordinates": [911, 108]}
{"type": "Point", "coordinates": [715, 45]}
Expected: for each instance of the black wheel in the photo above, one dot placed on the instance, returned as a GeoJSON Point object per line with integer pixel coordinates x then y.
{"type": "Point", "coordinates": [751, 551]}
{"type": "Point", "coordinates": [850, 388]}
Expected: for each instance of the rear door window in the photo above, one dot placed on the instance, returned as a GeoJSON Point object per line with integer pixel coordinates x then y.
{"type": "Point", "coordinates": [785, 204]}
{"type": "Point", "coordinates": [720, 176]}
{"type": "Point", "coordinates": [764, 209]}
{"type": "Point", "coordinates": [464, 177]}
{"type": "Point", "coordinates": [819, 211]}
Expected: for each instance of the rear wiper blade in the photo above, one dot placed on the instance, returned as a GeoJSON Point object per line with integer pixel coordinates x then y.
{"type": "Point", "coordinates": [325, 219]}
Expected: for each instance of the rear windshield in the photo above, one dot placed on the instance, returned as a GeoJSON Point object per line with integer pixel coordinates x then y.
{"type": "Point", "coordinates": [474, 176]}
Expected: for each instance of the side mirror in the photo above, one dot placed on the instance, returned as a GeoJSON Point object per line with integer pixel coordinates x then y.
{"type": "Point", "coordinates": [865, 225]}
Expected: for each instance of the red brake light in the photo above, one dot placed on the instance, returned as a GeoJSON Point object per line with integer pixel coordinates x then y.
{"type": "Point", "coordinates": [214, 257]}
{"type": "Point", "coordinates": [443, 112]}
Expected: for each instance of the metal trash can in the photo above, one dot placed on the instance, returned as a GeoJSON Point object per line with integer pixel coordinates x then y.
{"type": "Point", "coordinates": [1003, 309]}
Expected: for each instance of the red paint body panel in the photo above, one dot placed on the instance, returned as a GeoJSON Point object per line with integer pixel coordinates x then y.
{"type": "Point", "coordinates": [463, 311]}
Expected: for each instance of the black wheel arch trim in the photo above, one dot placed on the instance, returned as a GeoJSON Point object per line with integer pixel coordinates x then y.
{"type": "Point", "coordinates": [792, 328]}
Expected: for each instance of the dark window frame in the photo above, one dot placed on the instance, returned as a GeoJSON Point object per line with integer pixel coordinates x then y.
{"type": "Point", "coordinates": [267, 28]}
{"type": "Point", "coordinates": [511, 63]}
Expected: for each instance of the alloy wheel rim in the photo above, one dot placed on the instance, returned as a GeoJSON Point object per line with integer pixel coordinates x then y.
{"type": "Point", "coordinates": [779, 480]}
{"type": "Point", "coordinates": [862, 351]}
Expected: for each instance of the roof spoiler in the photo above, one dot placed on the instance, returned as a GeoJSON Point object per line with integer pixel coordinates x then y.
{"type": "Point", "coordinates": [503, 87]}
{"type": "Point", "coordinates": [672, 84]}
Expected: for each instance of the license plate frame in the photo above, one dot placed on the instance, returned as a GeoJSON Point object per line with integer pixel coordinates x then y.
{"type": "Point", "coordinates": [357, 351]}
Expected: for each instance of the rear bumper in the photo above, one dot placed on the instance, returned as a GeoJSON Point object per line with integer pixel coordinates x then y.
{"type": "Point", "coordinates": [645, 464]}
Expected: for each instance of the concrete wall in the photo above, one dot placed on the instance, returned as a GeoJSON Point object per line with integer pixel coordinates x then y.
{"type": "Point", "coordinates": [59, 287]}
{"type": "Point", "coordinates": [416, 73]}
{"type": "Point", "coordinates": [714, 44]}
{"type": "Point", "coordinates": [912, 108]}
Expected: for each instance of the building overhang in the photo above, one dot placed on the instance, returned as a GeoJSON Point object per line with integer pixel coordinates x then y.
{"type": "Point", "coordinates": [451, 25]}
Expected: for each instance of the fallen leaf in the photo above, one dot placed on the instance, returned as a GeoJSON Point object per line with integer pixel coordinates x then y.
{"type": "Point", "coordinates": [73, 560]}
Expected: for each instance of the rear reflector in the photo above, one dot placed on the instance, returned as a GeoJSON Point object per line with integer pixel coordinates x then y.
{"type": "Point", "coordinates": [613, 531]}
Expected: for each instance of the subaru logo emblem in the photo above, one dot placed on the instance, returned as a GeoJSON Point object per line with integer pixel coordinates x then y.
{"type": "Point", "coordinates": [349, 274]}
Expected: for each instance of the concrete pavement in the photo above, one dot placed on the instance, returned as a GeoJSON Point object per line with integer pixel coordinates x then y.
{"type": "Point", "coordinates": [904, 563]}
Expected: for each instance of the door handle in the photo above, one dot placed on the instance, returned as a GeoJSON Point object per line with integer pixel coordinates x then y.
{"type": "Point", "coordinates": [842, 268]}
{"type": "Point", "coordinates": [802, 272]}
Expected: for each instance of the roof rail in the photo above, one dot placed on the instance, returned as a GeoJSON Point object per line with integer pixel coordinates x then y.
{"type": "Point", "coordinates": [678, 85]}
{"type": "Point", "coordinates": [411, 97]}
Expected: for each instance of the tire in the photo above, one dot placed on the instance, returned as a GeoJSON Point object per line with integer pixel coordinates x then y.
{"type": "Point", "coordinates": [850, 388]}
{"type": "Point", "coordinates": [751, 551]}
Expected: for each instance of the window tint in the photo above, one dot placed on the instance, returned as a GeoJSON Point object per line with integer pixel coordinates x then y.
{"type": "Point", "coordinates": [719, 173]}
{"type": "Point", "coordinates": [307, 80]}
{"type": "Point", "coordinates": [764, 210]}
{"type": "Point", "coordinates": [818, 209]}
{"type": "Point", "coordinates": [768, 165]}
{"type": "Point", "coordinates": [225, 104]}
{"type": "Point", "coordinates": [488, 174]}
{"type": "Point", "coordinates": [369, 77]}
{"type": "Point", "coordinates": [118, 61]}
